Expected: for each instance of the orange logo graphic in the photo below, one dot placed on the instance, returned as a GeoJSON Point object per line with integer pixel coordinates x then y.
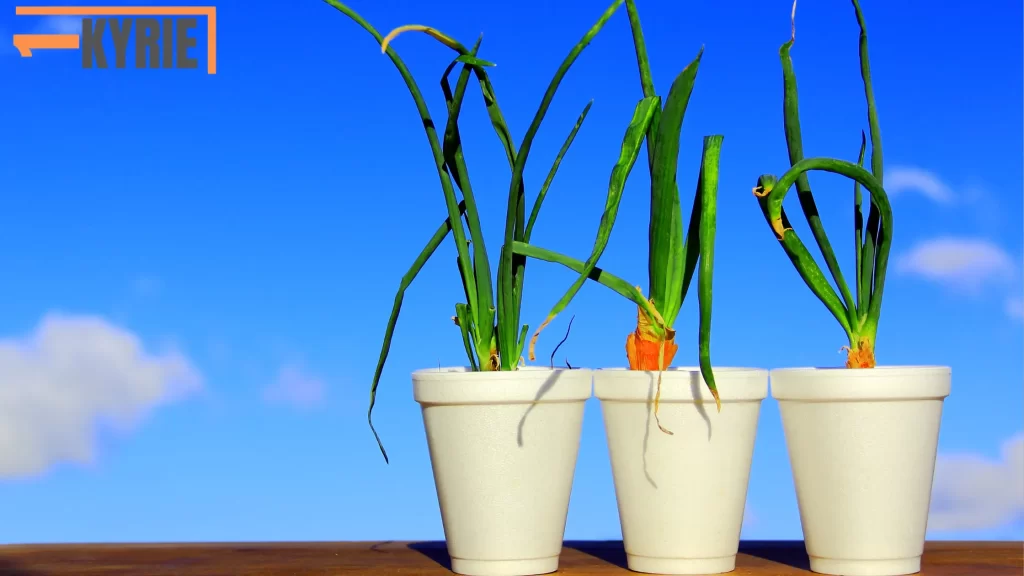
{"type": "Point", "coordinates": [161, 33]}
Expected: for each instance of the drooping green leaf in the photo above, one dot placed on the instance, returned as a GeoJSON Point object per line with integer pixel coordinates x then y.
{"type": "Point", "coordinates": [775, 193]}
{"type": "Point", "coordinates": [389, 332]}
{"type": "Point", "coordinates": [708, 220]}
{"type": "Point", "coordinates": [801, 258]}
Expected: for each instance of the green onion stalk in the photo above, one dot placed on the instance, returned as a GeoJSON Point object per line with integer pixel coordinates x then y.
{"type": "Point", "coordinates": [489, 319]}
{"type": "Point", "coordinates": [857, 312]}
{"type": "Point", "coordinates": [675, 250]}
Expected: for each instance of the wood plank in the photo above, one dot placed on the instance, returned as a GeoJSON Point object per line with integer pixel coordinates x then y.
{"type": "Point", "coordinates": [430, 559]}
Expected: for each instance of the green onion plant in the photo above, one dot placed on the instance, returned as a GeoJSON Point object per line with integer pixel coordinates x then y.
{"type": "Point", "coordinates": [489, 319]}
{"type": "Point", "coordinates": [675, 250]}
{"type": "Point", "coordinates": [857, 313]}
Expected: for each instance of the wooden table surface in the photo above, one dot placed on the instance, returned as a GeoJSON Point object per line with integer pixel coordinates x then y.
{"type": "Point", "coordinates": [430, 558]}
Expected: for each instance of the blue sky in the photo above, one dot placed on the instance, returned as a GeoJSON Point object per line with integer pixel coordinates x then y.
{"type": "Point", "coordinates": [199, 268]}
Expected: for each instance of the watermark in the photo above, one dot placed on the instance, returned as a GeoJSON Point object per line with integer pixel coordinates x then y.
{"type": "Point", "coordinates": [161, 35]}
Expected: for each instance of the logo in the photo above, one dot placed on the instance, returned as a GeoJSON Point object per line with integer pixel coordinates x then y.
{"type": "Point", "coordinates": [161, 34]}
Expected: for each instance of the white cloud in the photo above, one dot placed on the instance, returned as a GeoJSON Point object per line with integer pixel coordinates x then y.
{"type": "Point", "coordinates": [1015, 307]}
{"type": "Point", "coordinates": [61, 25]}
{"type": "Point", "coordinates": [908, 179]}
{"type": "Point", "coordinates": [975, 493]}
{"type": "Point", "coordinates": [960, 262]}
{"type": "Point", "coordinates": [70, 374]}
{"type": "Point", "coordinates": [295, 387]}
